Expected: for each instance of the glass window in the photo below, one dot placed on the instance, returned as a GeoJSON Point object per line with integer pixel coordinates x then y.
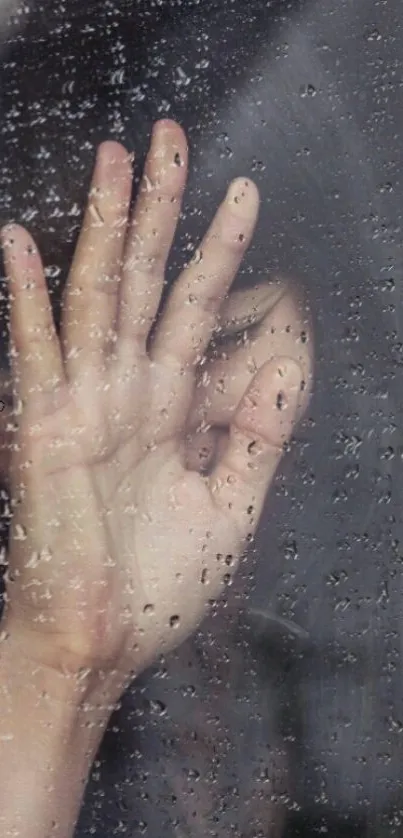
{"type": "Point", "coordinates": [281, 714]}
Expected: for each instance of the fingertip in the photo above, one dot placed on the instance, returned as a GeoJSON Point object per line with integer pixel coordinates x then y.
{"type": "Point", "coordinates": [168, 126]}
{"type": "Point", "coordinates": [166, 133]}
{"type": "Point", "coordinates": [17, 242]}
{"type": "Point", "coordinates": [111, 153]}
{"type": "Point", "coordinates": [242, 195]}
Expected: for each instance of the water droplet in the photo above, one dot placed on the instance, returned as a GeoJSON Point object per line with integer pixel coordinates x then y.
{"type": "Point", "coordinates": [386, 187]}
{"type": "Point", "coordinates": [174, 621]}
{"type": "Point", "coordinates": [307, 90]}
{"type": "Point", "coordinates": [373, 35]}
{"type": "Point", "coordinates": [197, 257]}
{"type": "Point", "coordinates": [20, 533]}
{"type": "Point", "coordinates": [157, 707]}
{"type": "Point", "coordinates": [280, 402]}
{"type": "Point", "coordinates": [188, 689]}
{"type": "Point", "coordinates": [258, 166]}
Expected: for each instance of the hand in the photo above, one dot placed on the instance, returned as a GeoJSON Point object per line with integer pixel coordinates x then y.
{"type": "Point", "coordinates": [116, 545]}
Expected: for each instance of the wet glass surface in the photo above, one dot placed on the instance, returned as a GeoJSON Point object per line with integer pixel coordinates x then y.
{"type": "Point", "coordinates": [282, 715]}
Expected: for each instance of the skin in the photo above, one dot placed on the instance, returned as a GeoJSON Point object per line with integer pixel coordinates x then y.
{"type": "Point", "coordinates": [142, 452]}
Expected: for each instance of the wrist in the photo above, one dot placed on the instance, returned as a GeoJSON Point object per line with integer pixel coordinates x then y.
{"type": "Point", "coordinates": [49, 739]}
{"type": "Point", "coordinates": [79, 697]}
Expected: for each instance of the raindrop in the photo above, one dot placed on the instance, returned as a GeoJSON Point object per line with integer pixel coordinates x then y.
{"type": "Point", "coordinates": [220, 386]}
{"type": "Point", "coordinates": [157, 707]}
{"type": "Point", "coordinates": [98, 218]}
{"type": "Point", "coordinates": [188, 689]}
{"type": "Point", "coordinates": [373, 35]}
{"type": "Point", "coordinates": [258, 166]}
{"type": "Point", "coordinates": [174, 621]}
{"type": "Point", "coordinates": [197, 257]}
{"type": "Point", "coordinates": [148, 609]}
{"type": "Point", "coordinates": [147, 184]}
{"type": "Point", "coordinates": [52, 271]}
{"type": "Point", "coordinates": [280, 401]}
{"type": "Point", "coordinates": [307, 90]}
{"type": "Point", "coordinates": [20, 533]}
{"type": "Point", "coordinates": [388, 284]}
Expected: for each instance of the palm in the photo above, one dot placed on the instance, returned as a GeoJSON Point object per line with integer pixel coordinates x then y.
{"type": "Point", "coordinates": [123, 544]}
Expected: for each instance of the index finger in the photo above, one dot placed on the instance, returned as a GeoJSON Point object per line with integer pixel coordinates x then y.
{"type": "Point", "coordinates": [192, 309]}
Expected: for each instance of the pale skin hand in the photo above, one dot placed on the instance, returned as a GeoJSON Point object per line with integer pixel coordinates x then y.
{"type": "Point", "coordinates": [116, 544]}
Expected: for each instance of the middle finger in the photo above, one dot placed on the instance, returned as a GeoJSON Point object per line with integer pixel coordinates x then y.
{"type": "Point", "coordinates": [151, 232]}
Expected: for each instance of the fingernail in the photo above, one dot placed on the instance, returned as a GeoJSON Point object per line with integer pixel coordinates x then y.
{"type": "Point", "coordinates": [242, 196]}
{"type": "Point", "coordinates": [290, 385]}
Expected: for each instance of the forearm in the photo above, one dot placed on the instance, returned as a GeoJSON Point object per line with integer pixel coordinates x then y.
{"type": "Point", "coordinates": [49, 736]}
